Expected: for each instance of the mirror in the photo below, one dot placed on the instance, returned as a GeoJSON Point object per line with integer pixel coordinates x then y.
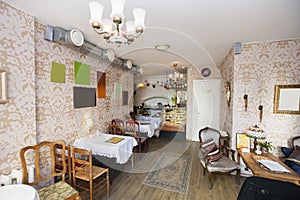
{"type": "Point", "coordinates": [287, 99]}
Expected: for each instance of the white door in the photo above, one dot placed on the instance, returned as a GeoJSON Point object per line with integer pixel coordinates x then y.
{"type": "Point", "coordinates": [206, 105]}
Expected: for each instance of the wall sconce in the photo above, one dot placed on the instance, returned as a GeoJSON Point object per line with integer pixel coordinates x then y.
{"type": "Point", "coordinates": [246, 101]}
{"type": "Point", "coordinates": [260, 108]}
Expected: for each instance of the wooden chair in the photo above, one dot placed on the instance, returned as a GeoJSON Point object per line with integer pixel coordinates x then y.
{"type": "Point", "coordinates": [83, 169]}
{"type": "Point", "coordinates": [116, 129]}
{"type": "Point", "coordinates": [132, 128]}
{"type": "Point", "coordinates": [224, 163]}
{"type": "Point", "coordinates": [59, 190]}
{"type": "Point", "coordinates": [58, 161]}
{"type": "Point", "coordinates": [117, 126]}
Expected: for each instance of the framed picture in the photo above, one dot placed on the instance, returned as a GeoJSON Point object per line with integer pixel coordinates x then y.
{"type": "Point", "coordinates": [3, 86]}
{"type": "Point", "coordinates": [242, 141]}
{"type": "Point", "coordinates": [125, 97]}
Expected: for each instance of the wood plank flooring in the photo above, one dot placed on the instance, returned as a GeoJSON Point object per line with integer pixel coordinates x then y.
{"type": "Point", "coordinates": [128, 185]}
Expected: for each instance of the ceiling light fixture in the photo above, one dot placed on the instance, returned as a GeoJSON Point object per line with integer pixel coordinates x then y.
{"type": "Point", "coordinates": [162, 47]}
{"type": "Point", "coordinates": [113, 30]}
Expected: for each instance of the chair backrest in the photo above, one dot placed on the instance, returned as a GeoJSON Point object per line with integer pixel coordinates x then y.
{"type": "Point", "coordinates": [118, 121]}
{"type": "Point", "coordinates": [207, 133]}
{"type": "Point", "coordinates": [293, 141]}
{"type": "Point", "coordinates": [131, 128]}
{"type": "Point", "coordinates": [116, 129]}
{"type": "Point", "coordinates": [58, 152]}
{"type": "Point", "coordinates": [82, 161]}
{"type": "Point", "coordinates": [38, 150]}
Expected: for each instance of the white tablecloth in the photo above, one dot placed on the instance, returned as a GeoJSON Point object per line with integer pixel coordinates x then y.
{"type": "Point", "coordinates": [150, 127]}
{"type": "Point", "coordinates": [97, 143]}
{"type": "Point", "coordinates": [18, 192]}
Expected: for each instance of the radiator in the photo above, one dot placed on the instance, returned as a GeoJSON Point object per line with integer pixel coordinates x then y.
{"type": "Point", "coordinates": [16, 176]}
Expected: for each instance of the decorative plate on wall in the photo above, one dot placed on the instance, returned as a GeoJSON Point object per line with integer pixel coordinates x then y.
{"type": "Point", "coordinates": [205, 72]}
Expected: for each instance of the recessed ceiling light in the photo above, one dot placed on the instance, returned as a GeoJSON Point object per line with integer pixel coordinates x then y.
{"type": "Point", "coordinates": [162, 47]}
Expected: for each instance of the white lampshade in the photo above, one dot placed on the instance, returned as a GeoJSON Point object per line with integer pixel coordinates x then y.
{"type": "Point", "coordinates": [107, 25]}
{"type": "Point", "coordinates": [117, 8]}
{"type": "Point", "coordinates": [139, 17]}
{"type": "Point", "coordinates": [96, 10]}
{"type": "Point", "coordinates": [130, 27]}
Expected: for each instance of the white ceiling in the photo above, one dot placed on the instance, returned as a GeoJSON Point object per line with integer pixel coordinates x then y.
{"type": "Point", "coordinates": [200, 32]}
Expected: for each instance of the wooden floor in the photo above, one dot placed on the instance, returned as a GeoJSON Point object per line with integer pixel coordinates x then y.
{"type": "Point", "coordinates": [128, 185]}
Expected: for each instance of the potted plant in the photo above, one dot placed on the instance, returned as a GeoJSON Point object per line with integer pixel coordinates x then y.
{"type": "Point", "coordinates": [266, 146]}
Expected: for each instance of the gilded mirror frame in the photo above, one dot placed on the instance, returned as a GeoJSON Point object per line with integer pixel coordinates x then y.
{"type": "Point", "coordinates": [3, 86]}
{"type": "Point", "coordinates": [287, 99]}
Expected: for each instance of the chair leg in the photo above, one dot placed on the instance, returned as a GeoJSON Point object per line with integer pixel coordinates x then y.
{"type": "Point", "coordinates": [146, 145]}
{"type": "Point", "coordinates": [91, 189]}
{"type": "Point", "coordinates": [237, 176]}
{"type": "Point", "coordinates": [107, 183]}
{"type": "Point", "coordinates": [204, 170]}
{"type": "Point", "coordinates": [140, 146]}
{"type": "Point", "coordinates": [210, 184]}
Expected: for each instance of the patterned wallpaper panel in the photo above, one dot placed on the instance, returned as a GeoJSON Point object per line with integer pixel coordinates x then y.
{"type": "Point", "coordinates": [257, 70]}
{"type": "Point", "coordinates": [226, 70]}
{"type": "Point", "coordinates": [56, 117]}
{"type": "Point", "coordinates": [17, 116]}
{"type": "Point", "coordinates": [38, 109]}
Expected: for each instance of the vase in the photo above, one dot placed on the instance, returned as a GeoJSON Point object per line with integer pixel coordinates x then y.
{"type": "Point", "coordinates": [265, 150]}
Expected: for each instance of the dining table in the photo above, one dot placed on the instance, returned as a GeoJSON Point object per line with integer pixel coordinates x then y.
{"type": "Point", "coordinates": [103, 144]}
{"type": "Point", "coordinates": [150, 127]}
{"type": "Point", "coordinates": [18, 192]}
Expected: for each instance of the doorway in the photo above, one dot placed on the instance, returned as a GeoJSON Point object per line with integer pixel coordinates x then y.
{"type": "Point", "coordinates": [206, 105]}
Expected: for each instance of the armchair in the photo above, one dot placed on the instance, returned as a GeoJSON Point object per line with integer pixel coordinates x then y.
{"type": "Point", "coordinates": [215, 158]}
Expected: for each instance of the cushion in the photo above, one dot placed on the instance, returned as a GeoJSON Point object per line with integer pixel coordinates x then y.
{"type": "Point", "coordinates": [286, 151]}
{"type": "Point", "coordinates": [293, 166]}
{"type": "Point", "coordinates": [295, 155]}
{"type": "Point", "coordinates": [210, 149]}
{"type": "Point", "coordinates": [59, 190]}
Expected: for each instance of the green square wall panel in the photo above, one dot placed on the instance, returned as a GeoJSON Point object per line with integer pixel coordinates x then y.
{"type": "Point", "coordinates": [81, 73]}
{"type": "Point", "coordinates": [58, 73]}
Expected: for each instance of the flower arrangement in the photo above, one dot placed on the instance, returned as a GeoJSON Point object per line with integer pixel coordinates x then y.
{"type": "Point", "coordinates": [266, 146]}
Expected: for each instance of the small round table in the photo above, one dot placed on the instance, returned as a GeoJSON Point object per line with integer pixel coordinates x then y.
{"type": "Point", "coordinates": [18, 192]}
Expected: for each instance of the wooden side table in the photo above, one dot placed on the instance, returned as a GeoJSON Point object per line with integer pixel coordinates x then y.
{"type": "Point", "coordinates": [259, 171]}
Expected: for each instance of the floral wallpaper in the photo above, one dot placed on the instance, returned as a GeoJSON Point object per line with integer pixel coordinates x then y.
{"type": "Point", "coordinates": [17, 116]}
{"type": "Point", "coordinates": [37, 109]}
{"type": "Point", "coordinates": [257, 70]}
{"type": "Point", "coordinates": [56, 116]}
{"type": "Point", "coordinates": [226, 70]}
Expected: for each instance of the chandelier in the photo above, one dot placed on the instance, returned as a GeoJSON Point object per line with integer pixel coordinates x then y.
{"type": "Point", "coordinates": [176, 80]}
{"type": "Point", "coordinates": [116, 29]}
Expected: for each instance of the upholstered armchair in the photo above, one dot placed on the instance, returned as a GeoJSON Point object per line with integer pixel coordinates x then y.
{"type": "Point", "coordinates": [215, 158]}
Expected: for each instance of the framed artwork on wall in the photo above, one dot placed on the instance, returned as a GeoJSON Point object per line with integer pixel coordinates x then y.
{"type": "Point", "coordinates": [287, 99]}
{"type": "Point", "coordinates": [3, 86]}
{"type": "Point", "coordinates": [118, 91]}
{"type": "Point", "coordinates": [242, 141]}
{"type": "Point", "coordinates": [81, 73]}
{"type": "Point", "coordinates": [125, 98]}
{"type": "Point", "coordinates": [101, 85]}
{"type": "Point", "coordinates": [58, 73]}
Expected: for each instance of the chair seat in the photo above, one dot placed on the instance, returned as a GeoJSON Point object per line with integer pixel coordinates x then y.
{"type": "Point", "coordinates": [224, 164]}
{"type": "Point", "coordinates": [58, 191]}
{"type": "Point", "coordinates": [85, 175]}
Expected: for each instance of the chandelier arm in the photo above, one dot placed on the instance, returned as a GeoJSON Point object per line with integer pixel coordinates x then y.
{"type": "Point", "coordinates": [99, 32]}
{"type": "Point", "coordinates": [135, 36]}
